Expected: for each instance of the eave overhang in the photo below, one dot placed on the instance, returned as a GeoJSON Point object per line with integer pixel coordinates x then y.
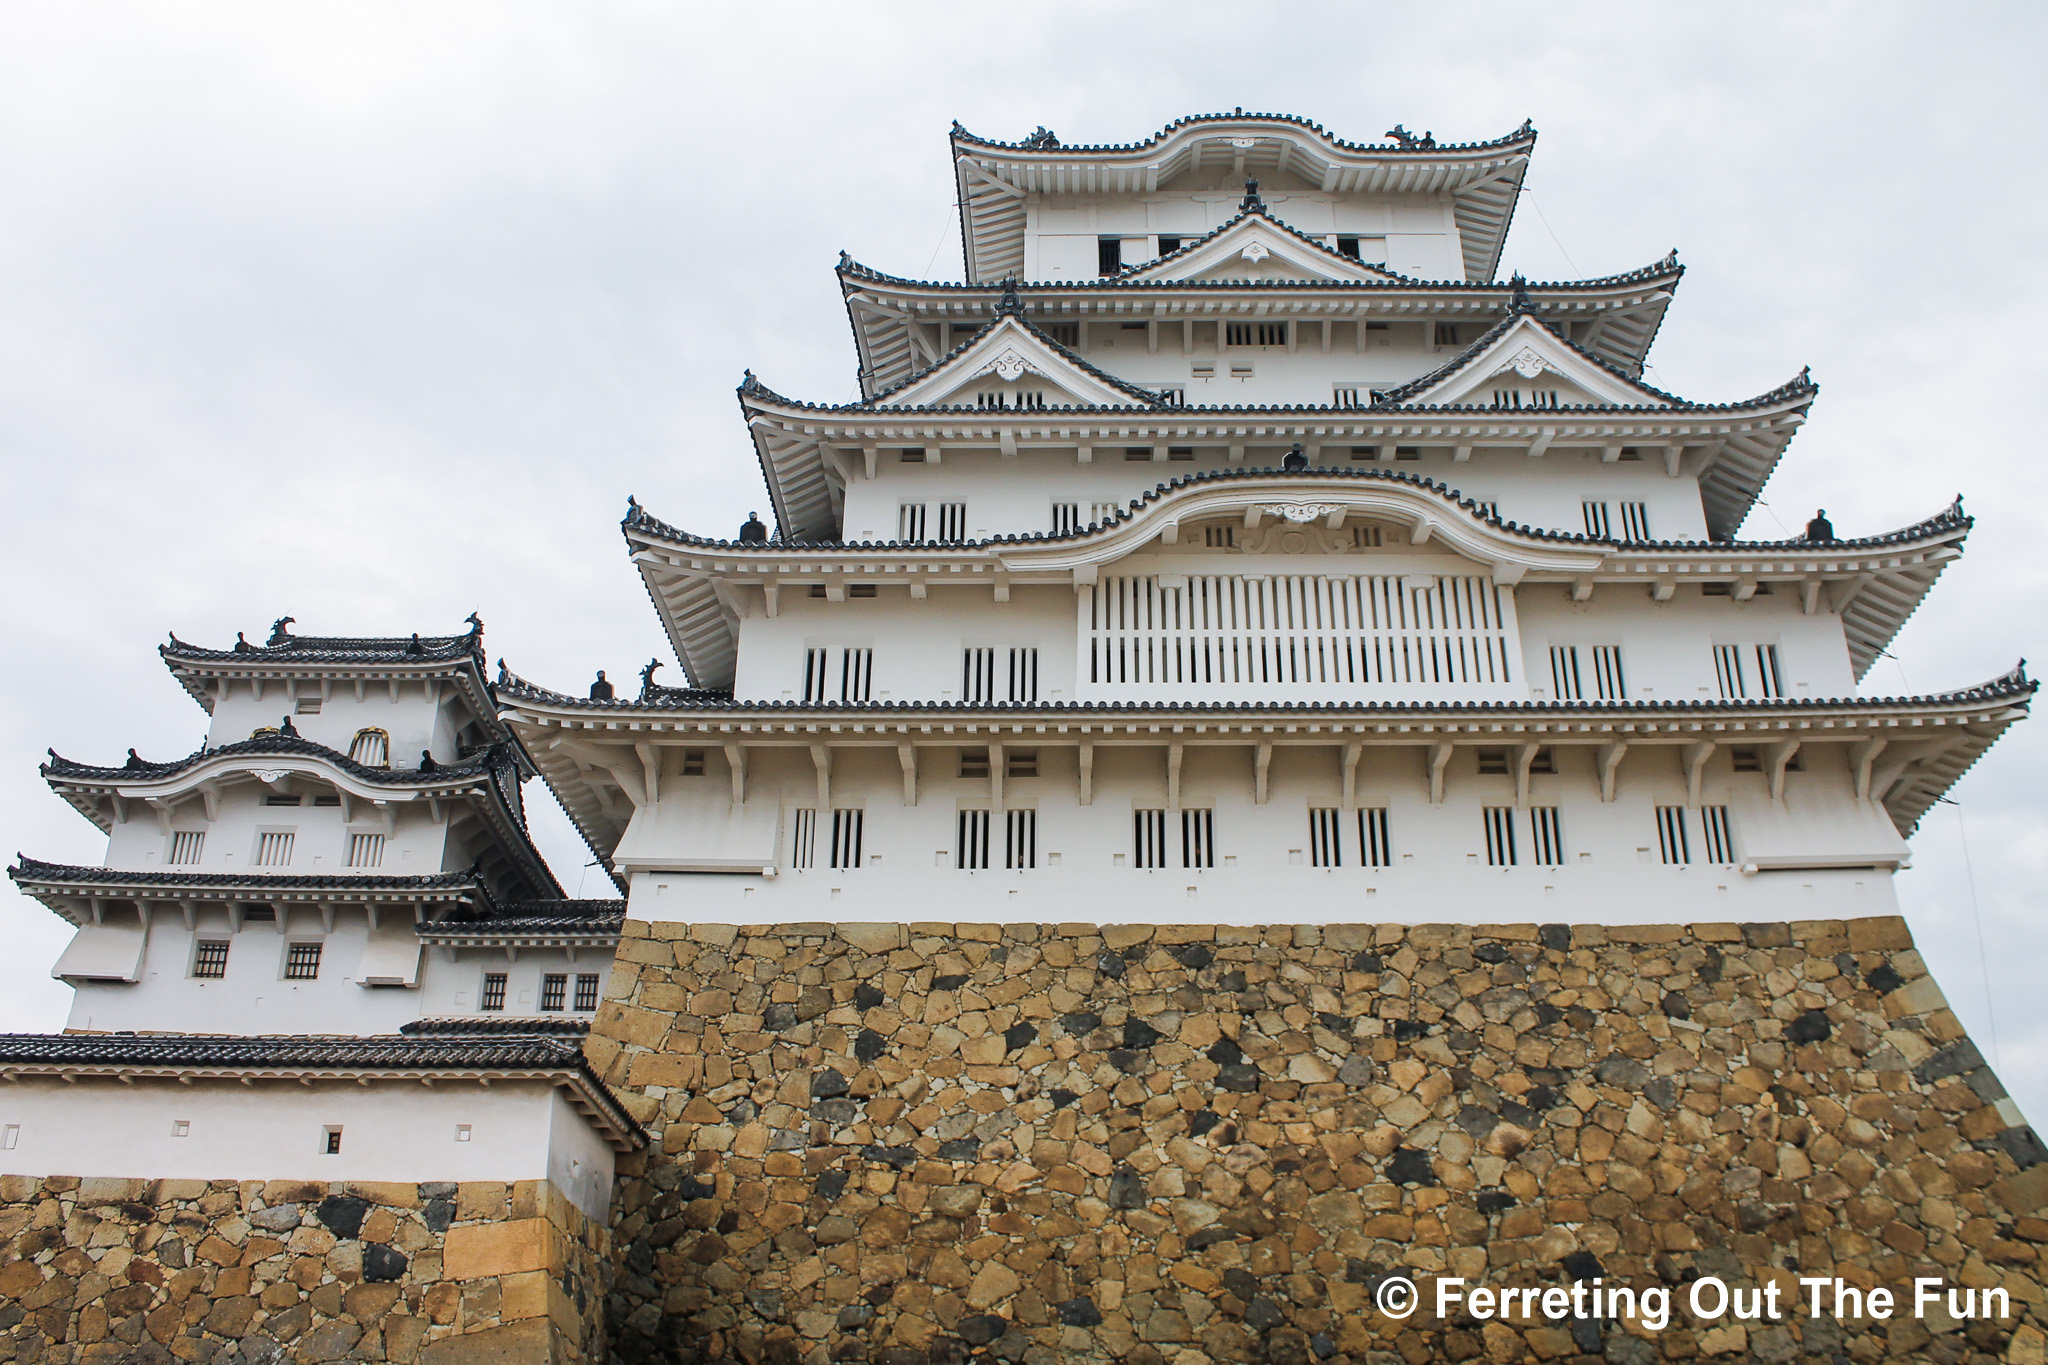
{"type": "Point", "coordinates": [191, 1059]}
{"type": "Point", "coordinates": [1615, 318]}
{"type": "Point", "coordinates": [109, 795]}
{"type": "Point", "coordinates": [810, 453]}
{"type": "Point", "coordinates": [79, 894]}
{"type": "Point", "coordinates": [1907, 750]}
{"type": "Point", "coordinates": [1482, 179]}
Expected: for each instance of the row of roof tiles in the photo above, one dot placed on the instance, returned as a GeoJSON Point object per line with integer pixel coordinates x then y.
{"type": "Point", "coordinates": [138, 769]}
{"type": "Point", "coordinates": [638, 519]}
{"type": "Point", "coordinates": [2010, 685]}
{"type": "Point", "coordinates": [1667, 269]}
{"type": "Point", "coordinates": [1422, 147]}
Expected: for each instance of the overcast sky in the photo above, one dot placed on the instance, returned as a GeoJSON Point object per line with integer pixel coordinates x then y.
{"type": "Point", "coordinates": [374, 314]}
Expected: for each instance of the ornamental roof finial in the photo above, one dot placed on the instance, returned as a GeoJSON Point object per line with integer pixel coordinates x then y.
{"type": "Point", "coordinates": [1043, 139]}
{"type": "Point", "coordinates": [647, 678]}
{"type": "Point", "coordinates": [278, 633]}
{"type": "Point", "coordinates": [1518, 298]}
{"type": "Point", "coordinates": [1009, 303]}
{"type": "Point", "coordinates": [1251, 203]}
{"type": "Point", "coordinates": [753, 531]}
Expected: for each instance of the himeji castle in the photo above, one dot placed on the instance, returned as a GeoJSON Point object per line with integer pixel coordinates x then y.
{"type": "Point", "coordinates": [1256, 760]}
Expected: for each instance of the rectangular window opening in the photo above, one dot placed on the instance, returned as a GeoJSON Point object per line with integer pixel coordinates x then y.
{"type": "Point", "coordinates": [1673, 843]}
{"type": "Point", "coordinates": [952, 522]}
{"type": "Point", "coordinates": [274, 849]}
{"type": "Point", "coordinates": [554, 991]}
{"type": "Point", "coordinates": [1020, 763]}
{"type": "Point", "coordinates": [1375, 848]}
{"type": "Point", "coordinates": [302, 962]}
{"type": "Point", "coordinates": [186, 845]}
{"type": "Point", "coordinates": [365, 850]}
{"type": "Point", "coordinates": [1109, 255]}
{"type": "Point", "coordinates": [587, 986]}
{"type": "Point", "coordinates": [1198, 838]}
{"type": "Point", "coordinates": [1344, 396]}
{"type": "Point", "coordinates": [210, 959]}
{"type": "Point", "coordinates": [1500, 836]}
{"type": "Point", "coordinates": [846, 838]}
{"type": "Point", "coordinates": [1066, 518]}
{"type": "Point", "coordinates": [803, 847]}
{"type": "Point", "coordinates": [1148, 838]}
{"type": "Point", "coordinates": [1596, 517]}
{"type": "Point", "coordinates": [330, 1141]}
{"type": "Point", "coordinates": [1635, 521]}
{"type": "Point", "coordinates": [970, 844]}
{"type": "Point", "coordinates": [493, 997]}
{"type": "Point", "coordinates": [1020, 844]}
{"type": "Point", "coordinates": [910, 519]}
{"type": "Point", "coordinates": [974, 761]}
{"type": "Point", "coordinates": [1719, 844]}
{"type": "Point", "coordinates": [1325, 837]}
{"type": "Point", "coordinates": [693, 763]}
{"type": "Point", "coordinates": [1546, 836]}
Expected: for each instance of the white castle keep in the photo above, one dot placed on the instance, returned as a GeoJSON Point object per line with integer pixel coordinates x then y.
{"type": "Point", "coordinates": [1230, 546]}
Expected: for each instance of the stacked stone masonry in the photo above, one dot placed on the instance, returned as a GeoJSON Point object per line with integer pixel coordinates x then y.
{"type": "Point", "coordinates": [929, 1143]}
{"type": "Point", "coordinates": [149, 1272]}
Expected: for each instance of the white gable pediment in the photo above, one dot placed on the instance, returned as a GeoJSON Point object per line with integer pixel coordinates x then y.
{"type": "Point", "coordinates": [1017, 365]}
{"type": "Point", "coordinates": [1527, 357]}
{"type": "Point", "coordinates": [1255, 249]}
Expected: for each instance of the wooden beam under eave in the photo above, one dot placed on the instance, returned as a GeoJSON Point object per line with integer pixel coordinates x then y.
{"type": "Point", "coordinates": [736, 765]}
{"type": "Point", "coordinates": [1087, 769]}
{"type": "Point", "coordinates": [1696, 756]}
{"type": "Point", "coordinates": [1610, 767]}
{"type": "Point", "coordinates": [821, 759]}
{"type": "Point", "coordinates": [1439, 759]}
{"type": "Point", "coordinates": [1779, 756]}
{"type": "Point", "coordinates": [1353, 751]}
{"type": "Point", "coordinates": [906, 755]}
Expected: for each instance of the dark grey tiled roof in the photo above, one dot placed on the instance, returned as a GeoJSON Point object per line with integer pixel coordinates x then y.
{"type": "Point", "coordinates": [2014, 684]}
{"type": "Point", "coordinates": [640, 520]}
{"type": "Point", "coordinates": [336, 648]}
{"type": "Point", "coordinates": [542, 1053]}
{"type": "Point", "coordinates": [32, 871]}
{"type": "Point", "coordinates": [498, 1025]}
{"type": "Point", "coordinates": [1666, 269]}
{"type": "Point", "coordinates": [60, 767]}
{"type": "Point", "coordinates": [1525, 133]}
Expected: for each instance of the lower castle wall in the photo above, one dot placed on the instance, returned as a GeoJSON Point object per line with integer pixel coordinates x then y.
{"type": "Point", "coordinates": [147, 1272]}
{"type": "Point", "coordinates": [916, 1144]}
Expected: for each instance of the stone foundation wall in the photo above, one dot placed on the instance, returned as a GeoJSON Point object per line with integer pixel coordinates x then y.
{"type": "Point", "coordinates": [140, 1272]}
{"type": "Point", "coordinates": [925, 1143]}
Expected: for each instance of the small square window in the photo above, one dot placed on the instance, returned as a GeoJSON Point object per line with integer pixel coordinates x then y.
{"type": "Point", "coordinates": [1020, 763]}
{"type": "Point", "coordinates": [211, 959]}
{"type": "Point", "coordinates": [181, 1128]}
{"type": "Point", "coordinates": [693, 763]}
{"type": "Point", "coordinates": [462, 1132]}
{"type": "Point", "coordinates": [302, 962]}
{"type": "Point", "coordinates": [494, 992]}
{"type": "Point", "coordinates": [307, 706]}
{"type": "Point", "coordinates": [1493, 762]}
{"type": "Point", "coordinates": [330, 1141]}
{"type": "Point", "coordinates": [974, 762]}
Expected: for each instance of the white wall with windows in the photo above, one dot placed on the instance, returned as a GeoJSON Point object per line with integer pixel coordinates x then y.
{"type": "Point", "coordinates": [281, 1130]}
{"type": "Point", "coordinates": [1041, 490]}
{"type": "Point", "coordinates": [409, 718]}
{"type": "Point", "coordinates": [1485, 852]}
{"type": "Point", "coordinates": [264, 969]}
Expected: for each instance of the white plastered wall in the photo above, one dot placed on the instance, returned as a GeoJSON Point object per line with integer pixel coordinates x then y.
{"type": "Point", "coordinates": [276, 1130]}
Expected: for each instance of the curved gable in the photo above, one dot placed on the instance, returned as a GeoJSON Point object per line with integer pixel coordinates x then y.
{"type": "Point", "coordinates": [1254, 249]}
{"type": "Point", "coordinates": [1011, 364]}
{"type": "Point", "coordinates": [1524, 363]}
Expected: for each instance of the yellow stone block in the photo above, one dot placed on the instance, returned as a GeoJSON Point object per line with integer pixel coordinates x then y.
{"type": "Point", "coordinates": [474, 1252]}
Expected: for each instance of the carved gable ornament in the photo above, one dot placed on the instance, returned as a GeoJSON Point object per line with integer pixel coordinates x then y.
{"type": "Point", "coordinates": [1009, 366]}
{"type": "Point", "coordinates": [1525, 362]}
{"type": "Point", "coordinates": [1255, 251]}
{"type": "Point", "coordinates": [1299, 511]}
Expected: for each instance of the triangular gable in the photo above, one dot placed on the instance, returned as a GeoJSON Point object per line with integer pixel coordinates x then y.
{"type": "Point", "coordinates": [1254, 248]}
{"type": "Point", "coordinates": [1008, 360]}
{"type": "Point", "coordinates": [1524, 353]}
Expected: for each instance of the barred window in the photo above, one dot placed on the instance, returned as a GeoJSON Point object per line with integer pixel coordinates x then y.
{"type": "Point", "coordinates": [1748, 670]}
{"type": "Point", "coordinates": [952, 521]}
{"type": "Point", "coordinates": [1020, 763]}
{"type": "Point", "coordinates": [365, 850]}
{"type": "Point", "coordinates": [970, 846]}
{"type": "Point", "coordinates": [1020, 845]}
{"type": "Point", "coordinates": [186, 845]}
{"type": "Point", "coordinates": [910, 518]}
{"type": "Point", "coordinates": [274, 849]}
{"type": "Point", "coordinates": [1325, 844]}
{"type": "Point", "coordinates": [977, 674]}
{"type": "Point", "coordinates": [856, 674]}
{"type": "Point", "coordinates": [587, 984]}
{"type": "Point", "coordinates": [371, 748]}
{"type": "Point", "coordinates": [211, 959]}
{"type": "Point", "coordinates": [1024, 673]}
{"type": "Point", "coordinates": [302, 962]}
{"type": "Point", "coordinates": [693, 763]}
{"type": "Point", "coordinates": [1635, 521]}
{"type": "Point", "coordinates": [1198, 838]}
{"type": "Point", "coordinates": [981, 684]}
{"type": "Point", "coordinates": [493, 997]}
{"type": "Point", "coordinates": [1500, 836]}
{"type": "Point", "coordinates": [846, 832]}
{"type": "Point", "coordinates": [1596, 516]}
{"type": "Point", "coordinates": [1148, 838]}
{"type": "Point", "coordinates": [974, 762]}
{"type": "Point", "coordinates": [1220, 537]}
{"type": "Point", "coordinates": [1546, 836]}
{"type": "Point", "coordinates": [1720, 844]}
{"type": "Point", "coordinates": [803, 842]}
{"type": "Point", "coordinates": [554, 991]}
{"type": "Point", "coordinates": [1375, 848]}
{"type": "Point", "coordinates": [1066, 518]}
{"type": "Point", "coordinates": [1607, 674]}
{"type": "Point", "coordinates": [1566, 684]}
{"type": "Point", "coordinates": [1672, 840]}
{"type": "Point", "coordinates": [852, 678]}
{"type": "Point", "coordinates": [1344, 396]}
{"type": "Point", "coordinates": [1255, 333]}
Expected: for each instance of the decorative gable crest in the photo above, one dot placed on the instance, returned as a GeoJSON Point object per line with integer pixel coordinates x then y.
{"type": "Point", "coordinates": [1253, 239]}
{"type": "Point", "coordinates": [1525, 347]}
{"type": "Point", "coordinates": [1010, 348]}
